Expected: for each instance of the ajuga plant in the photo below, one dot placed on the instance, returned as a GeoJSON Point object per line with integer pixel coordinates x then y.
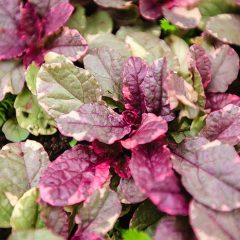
{"type": "Point", "coordinates": [152, 122]}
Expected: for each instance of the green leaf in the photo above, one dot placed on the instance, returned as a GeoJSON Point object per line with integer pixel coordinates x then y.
{"type": "Point", "coordinates": [197, 124]}
{"type": "Point", "coordinates": [13, 132]}
{"type": "Point", "coordinates": [31, 116]}
{"type": "Point", "coordinates": [38, 234]}
{"type": "Point", "coordinates": [31, 76]}
{"type": "Point", "coordinates": [63, 87]}
{"type": "Point", "coordinates": [26, 212]}
{"type": "Point", "coordinates": [6, 108]}
{"type": "Point", "coordinates": [133, 234]}
{"type": "Point", "coordinates": [167, 27]}
{"type": "Point", "coordinates": [73, 142]}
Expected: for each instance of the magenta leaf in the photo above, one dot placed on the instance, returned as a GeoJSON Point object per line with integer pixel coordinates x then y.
{"type": "Point", "coordinates": [134, 73]}
{"type": "Point", "coordinates": [80, 235]}
{"type": "Point", "coordinates": [11, 45]}
{"type": "Point", "coordinates": [198, 58]}
{"type": "Point", "coordinates": [206, 166]}
{"type": "Point", "coordinates": [150, 9]}
{"type": "Point", "coordinates": [152, 172]}
{"type": "Point", "coordinates": [225, 68]}
{"type": "Point", "coordinates": [69, 43]}
{"type": "Point", "coordinates": [223, 125]}
{"type": "Point", "coordinates": [121, 166]}
{"type": "Point", "coordinates": [93, 122]}
{"type": "Point", "coordinates": [151, 128]}
{"type": "Point", "coordinates": [35, 54]}
{"type": "Point", "coordinates": [57, 16]}
{"type": "Point", "coordinates": [73, 177]}
{"type": "Point", "coordinates": [210, 224]}
{"type": "Point", "coordinates": [9, 14]}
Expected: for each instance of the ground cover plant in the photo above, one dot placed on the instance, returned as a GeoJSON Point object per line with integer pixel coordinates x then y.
{"type": "Point", "coordinates": [119, 120]}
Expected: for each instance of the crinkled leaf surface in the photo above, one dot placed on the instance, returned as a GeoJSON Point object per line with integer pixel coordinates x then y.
{"type": "Point", "coordinates": [225, 27]}
{"type": "Point", "coordinates": [38, 234]}
{"type": "Point", "coordinates": [21, 166]}
{"type": "Point", "coordinates": [73, 177]}
{"type": "Point", "coordinates": [151, 128]}
{"type": "Point", "coordinates": [11, 78]}
{"type": "Point", "coordinates": [70, 43]}
{"type": "Point", "coordinates": [58, 94]}
{"type": "Point", "coordinates": [209, 224]}
{"type": "Point", "coordinates": [106, 65]}
{"type": "Point", "coordinates": [99, 212]}
{"type": "Point", "coordinates": [31, 116]}
{"type": "Point", "coordinates": [13, 132]}
{"type": "Point", "coordinates": [93, 121]}
{"type": "Point", "coordinates": [223, 125]}
{"type": "Point", "coordinates": [225, 68]}
{"type": "Point", "coordinates": [152, 171]}
{"type": "Point", "coordinates": [113, 4]}
{"type": "Point", "coordinates": [206, 166]}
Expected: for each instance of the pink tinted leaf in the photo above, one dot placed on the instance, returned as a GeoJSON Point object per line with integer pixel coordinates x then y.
{"type": "Point", "coordinates": [151, 128]}
{"type": "Point", "coordinates": [150, 9]}
{"type": "Point", "coordinates": [9, 14]}
{"type": "Point", "coordinates": [121, 166]}
{"type": "Point", "coordinates": [80, 235]}
{"type": "Point", "coordinates": [57, 16]}
{"type": "Point", "coordinates": [11, 45]}
{"type": "Point", "coordinates": [93, 122]}
{"type": "Point", "coordinates": [210, 224]}
{"type": "Point", "coordinates": [129, 192]}
{"type": "Point", "coordinates": [223, 125]}
{"type": "Point", "coordinates": [134, 73]}
{"type": "Point", "coordinates": [183, 17]}
{"type": "Point", "coordinates": [152, 172]}
{"type": "Point", "coordinates": [225, 67]}
{"type": "Point", "coordinates": [118, 4]}
{"type": "Point", "coordinates": [198, 58]}
{"type": "Point", "coordinates": [172, 228]}
{"type": "Point", "coordinates": [73, 177]}
{"type": "Point", "coordinates": [218, 101]}
{"type": "Point", "coordinates": [34, 54]}
{"type": "Point", "coordinates": [69, 43]}
{"type": "Point", "coordinates": [205, 167]}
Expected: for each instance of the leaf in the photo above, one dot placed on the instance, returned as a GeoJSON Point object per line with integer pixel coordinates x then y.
{"type": "Point", "coordinates": [31, 116]}
{"type": "Point", "coordinates": [31, 77]}
{"type": "Point", "coordinates": [11, 78]}
{"type": "Point", "coordinates": [57, 16]}
{"type": "Point", "coordinates": [225, 27]}
{"type": "Point", "coordinates": [9, 14]}
{"type": "Point", "coordinates": [182, 17]}
{"type": "Point", "coordinates": [37, 234]}
{"type": "Point", "coordinates": [128, 192]}
{"type": "Point", "coordinates": [119, 4]}
{"type": "Point", "coordinates": [69, 43]}
{"type": "Point", "coordinates": [25, 212]}
{"type": "Point", "coordinates": [225, 68]}
{"type": "Point", "coordinates": [99, 212]}
{"type": "Point", "coordinates": [21, 165]}
{"type": "Point", "coordinates": [133, 234]}
{"type": "Point", "coordinates": [106, 65]}
{"type": "Point", "coordinates": [152, 172]}
{"type": "Point", "coordinates": [59, 96]}
{"type": "Point", "coordinates": [145, 215]}
{"type": "Point", "coordinates": [79, 235]}
{"type": "Point", "coordinates": [151, 128]}
{"type": "Point", "coordinates": [204, 166]}
{"type": "Point", "coordinates": [217, 225]}
{"type": "Point", "coordinates": [93, 121]}
{"type": "Point", "coordinates": [73, 177]}
{"type": "Point", "coordinates": [150, 9]}
{"type": "Point", "coordinates": [13, 132]}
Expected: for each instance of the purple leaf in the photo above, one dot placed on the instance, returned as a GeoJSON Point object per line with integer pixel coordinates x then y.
{"type": "Point", "coordinates": [11, 45]}
{"type": "Point", "coordinates": [73, 177]}
{"type": "Point", "coordinates": [57, 16]}
{"type": "Point", "coordinates": [223, 125]}
{"type": "Point", "coordinates": [93, 121]}
{"type": "Point", "coordinates": [171, 228]}
{"type": "Point", "coordinates": [134, 73]}
{"type": "Point", "coordinates": [80, 235]}
{"type": "Point", "coordinates": [35, 54]}
{"type": "Point", "coordinates": [218, 101]}
{"type": "Point", "coordinates": [9, 14]}
{"type": "Point", "coordinates": [205, 167]}
{"type": "Point", "coordinates": [151, 128]}
{"type": "Point", "coordinates": [70, 43]}
{"type": "Point", "coordinates": [210, 224]}
{"type": "Point", "coordinates": [198, 58]}
{"type": "Point", "coordinates": [225, 67]}
{"type": "Point", "coordinates": [150, 9]}
{"type": "Point", "coordinates": [121, 166]}
{"type": "Point", "coordinates": [152, 172]}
